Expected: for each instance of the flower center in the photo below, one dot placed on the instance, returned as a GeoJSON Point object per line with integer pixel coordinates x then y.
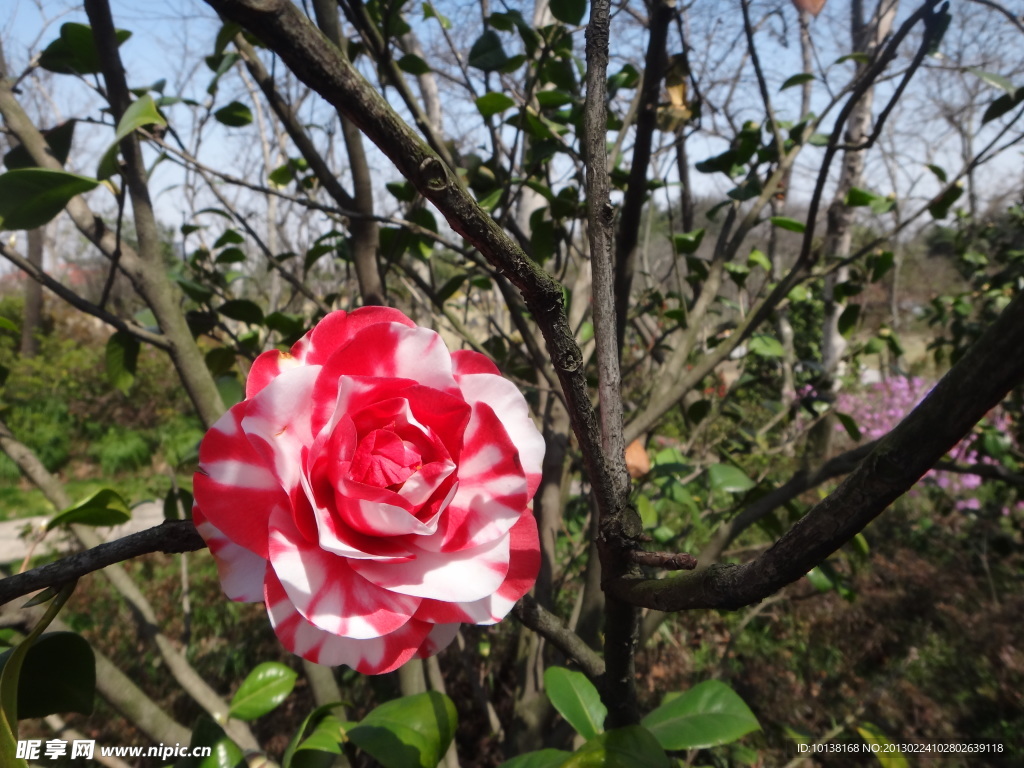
{"type": "Point", "coordinates": [385, 460]}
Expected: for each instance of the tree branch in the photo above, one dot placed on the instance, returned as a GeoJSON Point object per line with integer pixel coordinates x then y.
{"type": "Point", "coordinates": [989, 370]}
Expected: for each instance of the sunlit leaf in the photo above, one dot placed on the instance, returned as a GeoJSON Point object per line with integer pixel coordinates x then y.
{"type": "Point", "coordinates": [709, 714]}
{"type": "Point", "coordinates": [122, 357]}
{"type": "Point", "coordinates": [30, 197]}
{"type": "Point", "coordinates": [410, 732]}
{"type": "Point", "coordinates": [262, 691]}
{"type": "Point", "coordinates": [728, 478]}
{"type": "Point", "coordinates": [576, 699]}
{"type": "Point", "coordinates": [104, 507]}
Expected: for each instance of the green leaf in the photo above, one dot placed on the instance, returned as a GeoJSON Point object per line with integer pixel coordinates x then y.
{"type": "Point", "coordinates": [493, 103]}
{"type": "Point", "coordinates": [262, 691]}
{"type": "Point", "coordinates": [849, 425]}
{"type": "Point", "coordinates": [784, 222]}
{"type": "Point", "coordinates": [803, 77]}
{"type": "Point", "coordinates": [568, 11]}
{"type": "Point", "coordinates": [709, 714]}
{"type": "Point", "coordinates": [487, 53]}
{"type": "Point", "coordinates": [629, 747]}
{"type": "Point", "coordinates": [727, 478]}
{"type": "Point", "coordinates": [688, 242]}
{"type": "Point", "coordinates": [10, 681]}
{"type": "Point", "coordinates": [140, 112]}
{"type": "Point", "coordinates": [30, 197]}
{"type": "Point", "coordinates": [763, 345]}
{"type": "Point", "coordinates": [576, 699]}
{"type": "Point", "coordinates": [57, 138]}
{"type": "Point", "coordinates": [939, 207]}
{"type": "Point", "coordinates": [8, 325]}
{"type": "Point", "coordinates": [243, 310]}
{"type": "Point", "coordinates": [234, 115]}
{"type": "Point", "coordinates": [316, 740]}
{"type": "Point", "coordinates": [104, 507]}
{"type": "Point", "coordinates": [542, 758]}
{"type": "Point", "coordinates": [224, 752]}
{"type": "Point", "coordinates": [1002, 105]}
{"type": "Point", "coordinates": [410, 732]}
{"type": "Point", "coordinates": [859, 57]}
{"type": "Point", "coordinates": [995, 80]}
{"type": "Point", "coordinates": [122, 357]}
{"type": "Point", "coordinates": [413, 64]}
{"type": "Point", "coordinates": [939, 171]}
{"type": "Point", "coordinates": [888, 755]}
{"type": "Point", "coordinates": [848, 320]}
{"type": "Point", "coordinates": [58, 675]}
{"type": "Point", "coordinates": [74, 52]}
{"type": "Point", "coordinates": [177, 504]}
{"type": "Point", "coordinates": [757, 258]}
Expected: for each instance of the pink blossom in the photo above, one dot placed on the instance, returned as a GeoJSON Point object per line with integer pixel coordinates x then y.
{"type": "Point", "coordinates": [373, 489]}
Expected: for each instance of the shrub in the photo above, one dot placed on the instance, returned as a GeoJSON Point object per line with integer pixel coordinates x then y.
{"type": "Point", "coordinates": [121, 450]}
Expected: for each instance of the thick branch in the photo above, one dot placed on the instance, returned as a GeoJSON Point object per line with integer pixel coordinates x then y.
{"type": "Point", "coordinates": [546, 624]}
{"type": "Point", "coordinates": [170, 537]}
{"type": "Point", "coordinates": [989, 370]}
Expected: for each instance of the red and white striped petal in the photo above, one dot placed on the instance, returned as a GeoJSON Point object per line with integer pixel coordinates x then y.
{"type": "Point", "coordinates": [466, 361]}
{"type": "Point", "coordinates": [266, 368]}
{"type": "Point", "coordinates": [326, 590]}
{"type": "Point", "coordinates": [523, 566]}
{"type": "Point", "coordinates": [338, 328]}
{"type": "Point", "coordinates": [241, 572]}
{"type": "Point", "coordinates": [463, 576]}
{"type": "Point", "coordinates": [492, 487]}
{"type": "Point", "coordinates": [234, 488]}
{"type": "Point", "coordinates": [508, 404]}
{"type": "Point", "coordinates": [277, 420]}
{"type": "Point", "coordinates": [394, 351]}
{"type": "Point", "coordinates": [371, 656]}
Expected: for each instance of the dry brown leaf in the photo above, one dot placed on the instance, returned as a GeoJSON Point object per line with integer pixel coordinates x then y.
{"type": "Point", "coordinates": [637, 461]}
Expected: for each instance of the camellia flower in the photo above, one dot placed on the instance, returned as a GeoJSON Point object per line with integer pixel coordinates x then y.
{"type": "Point", "coordinates": [374, 490]}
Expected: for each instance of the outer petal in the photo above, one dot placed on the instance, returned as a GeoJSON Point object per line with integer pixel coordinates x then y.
{"type": "Point", "coordinates": [327, 592]}
{"type": "Point", "coordinates": [241, 572]}
{"type": "Point", "coordinates": [266, 368]}
{"type": "Point", "coordinates": [523, 566]}
{"type": "Point", "coordinates": [373, 656]}
{"type": "Point", "coordinates": [277, 422]}
{"type": "Point", "coordinates": [394, 351]}
{"type": "Point", "coordinates": [510, 406]}
{"type": "Point", "coordinates": [462, 576]}
{"type": "Point", "coordinates": [467, 361]}
{"type": "Point", "coordinates": [234, 487]}
{"type": "Point", "coordinates": [337, 328]}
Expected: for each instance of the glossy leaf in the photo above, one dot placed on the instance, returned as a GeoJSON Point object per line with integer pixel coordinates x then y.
{"type": "Point", "coordinates": [576, 699]}
{"type": "Point", "coordinates": [727, 478]}
{"type": "Point", "coordinates": [800, 79]}
{"type": "Point", "coordinates": [493, 103]}
{"type": "Point", "coordinates": [104, 507]}
{"type": "Point", "coordinates": [849, 425]}
{"type": "Point", "coordinates": [234, 115]}
{"type": "Point", "coordinates": [57, 138]}
{"type": "Point", "coordinates": [848, 320]}
{"type": "Point", "coordinates": [413, 64]}
{"type": "Point", "coordinates": [630, 747]}
{"type": "Point", "coordinates": [487, 53]}
{"type": "Point", "coordinates": [783, 222]}
{"type": "Point", "coordinates": [688, 242]}
{"type": "Point", "coordinates": [30, 197]}
{"type": "Point", "coordinates": [122, 357]}
{"type": "Point", "coordinates": [224, 752]}
{"type": "Point", "coordinates": [410, 732]}
{"type": "Point", "coordinates": [140, 112]}
{"type": "Point", "coordinates": [242, 310]}
{"type": "Point", "coordinates": [763, 345]}
{"type": "Point", "coordinates": [314, 741]}
{"type": "Point", "coordinates": [709, 714]}
{"type": "Point", "coordinates": [74, 52]}
{"type": "Point", "coordinates": [58, 675]}
{"type": "Point", "coordinates": [568, 11]}
{"type": "Point", "coordinates": [262, 691]}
